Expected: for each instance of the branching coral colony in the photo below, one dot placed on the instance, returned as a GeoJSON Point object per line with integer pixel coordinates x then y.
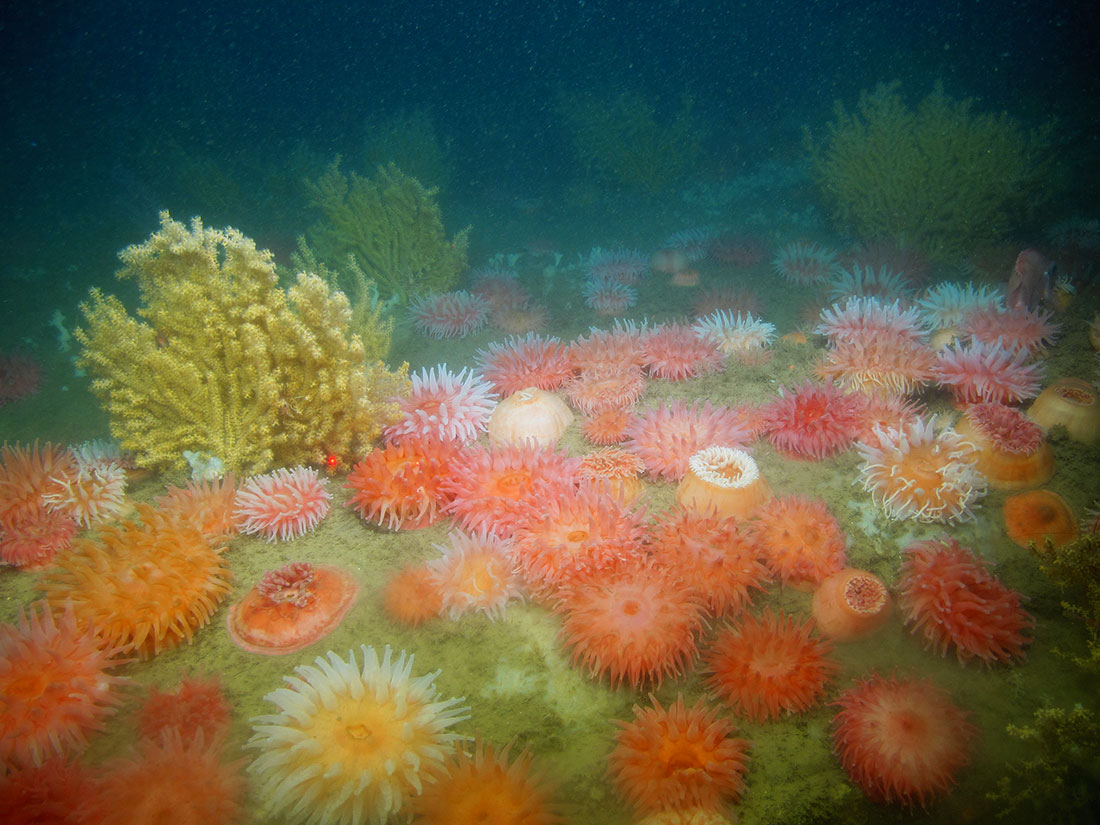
{"type": "Point", "coordinates": [393, 228]}
{"type": "Point", "coordinates": [221, 360]}
{"type": "Point", "coordinates": [939, 177]}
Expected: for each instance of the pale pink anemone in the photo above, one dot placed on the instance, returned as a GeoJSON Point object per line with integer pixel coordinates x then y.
{"type": "Point", "coordinates": [449, 314]}
{"type": "Point", "coordinates": [665, 437]}
{"type": "Point", "coordinates": [449, 406]}
{"type": "Point", "coordinates": [525, 361]}
{"type": "Point", "coordinates": [988, 372]}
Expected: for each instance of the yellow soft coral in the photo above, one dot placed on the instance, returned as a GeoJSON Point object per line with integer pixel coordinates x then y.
{"type": "Point", "coordinates": [939, 177]}
{"type": "Point", "coordinates": [221, 360]}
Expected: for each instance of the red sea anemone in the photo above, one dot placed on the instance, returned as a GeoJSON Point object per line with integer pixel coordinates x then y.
{"type": "Point", "coordinates": [198, 704]}
{"type": "Point", "coordinates": [291, 608]}
{"type": "Point", "coordinates": [767, 666]}
{"type": "Point", "coordinates": [675, 352]}
{"type": "Point", "coordinates": [799, 539]}
{"type": "Point", "coordinates": [171, 782]}
{"type": "Point", "coordinates": [444, 405]}
{"type": "Point", "coordinates": [283, 504]}
{"type": "Point", "coordinates": [54, 686]}
{"type": "Point", "coordinates": [487, 787]}
{"type": "Point", "coordinates": [57, 792]}
{"type": "Point", "coordinates": [633, 624]}
{"type": "Point", "coordinates": [814, 421]}
{"type": "Point", "coordinates": [668, 435]}
{"type": "Point", "coordinates": [449, 314]}
{"type": "Point", "coordinates": [399, 486]}
{"type": "Point", "coordinates": [947, 594]}
{"type": "Point", "coordinates": [678, 758]}
{"type": "Point", "coordinates": [711, 555]}
{"type": "Point", "coordinates": [144, 586]}
{"type": "Point", "coordinates": [530, 361]}
{"type": "Point", "coordinates": [901, 741]}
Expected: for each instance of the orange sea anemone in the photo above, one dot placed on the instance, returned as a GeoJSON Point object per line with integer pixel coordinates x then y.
{"type": "Point", "coordinates": [411, 597]}
{"type": "Point", "coordinates": [291, 608]}
{"type": "Point", "coordinates": [947, 595]}
{"type": "Point", "coordinates": [722, 481]}
{"type": "Point", "coordinates": [530, 414]}
{"type": "Point", "coordinates": [144, 586]}
{"type": "Point", "coordinates": [57, 792]}
{"type": "Point", "coordinates": [206, 505]}
{"type": "Point", "coordinates": [1012, 453]}
{"type": "Point", "coordinates": [617, 468]}
{"type": "Point", "coordinates": [603, 387]}
{"type": "Point", "coordinates": [198, 704]}
{"type": "Point", "coordinates": [678, 758]}
{"type": "Point", "coordinates": [634, 624]}
{"type": "Point", "coordinates": [1038, 515]}
{"type": "Point", "coordinates": [1072, 403]}
{"type": "Point", "coordinates": [399, 486]}
{"type": "Point", "coordinates": [850, 604]}
{"type": "Point", "coordinates": [710, 554]}
{"type": "Point", "coordinates": [54, 686]}
{"type": "Point", "coordinates": [800, 541]}
{"type": "Point", "coordinates": [350, 744]}
{"type": "Point", "coordinates": [475, 573]}
{"type": "Point", "coordinates": [607, 428]}
{"type": "Point", "coordinates": [171, 782]}
{"type": "Point", "coordinates": [486, 787]}
{"type": "Point", "coordinates": [31, 534]}
{"type": "Point", "coordinates": [687, 816]}
{"type": "Point", "coordinates": [767, 666]}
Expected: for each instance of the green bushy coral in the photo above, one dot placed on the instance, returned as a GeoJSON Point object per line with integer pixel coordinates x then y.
{"type": "Point", "coordinates": [1059, 783]}
{"type": "Point", "coordinates": [393, 228]}
{"type": "Point", "coordinates": [1076, 567]}
{"type": "Point", "coordinates": [940, 177]}
{"type": "Point", "coordinates": [625, 140]}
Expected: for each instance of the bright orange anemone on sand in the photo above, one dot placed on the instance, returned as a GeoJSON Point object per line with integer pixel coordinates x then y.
{"type": "Point", "coordinates": [678, 757]}
{"type": "Point", "coordinates": [799, 540]}
{"type": "Point", "coordinates": [398, 486]}
{"type": "Point", "coordinates": [291, 608]}
{"type": "Point", "coordinates": [197, 705]}
{"type": "Point", "coordinates": [851, 604]}
{"type": "Point", "coordinates": [486, 787]}
{"type": "Point", "coordinates": [1038, 515]}
{"type": "Point", "coordinates": [769, 666]}
{"type": "Point", "coordinates": [722, 481]}
{"type": "Point", "coordinates": [144, 586]}
{"type": "Point", "coordinates": [1012, 452]}
{"type": "Point", "coordinates": [54, 686]}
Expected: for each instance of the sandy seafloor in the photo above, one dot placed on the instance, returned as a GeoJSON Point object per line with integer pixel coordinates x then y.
{"type": "Point", "coordinates": [515, 675]}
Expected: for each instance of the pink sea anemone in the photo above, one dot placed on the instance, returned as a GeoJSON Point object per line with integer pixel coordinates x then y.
{"type": "Point", "coordinates": [1006, 428]}
{"type": "Point", "coordinates": [530, 361]}
{"type": "Point", "coordinates": [863, 317]}
{"type": "Point", "coordinates": [947, 595]}
{"type": "Point", "coordinates": [870, 363]}
{"type": "Point", "coordinates": [665, 437]}
{"type": "Point", "coordinates": [901, 740]}
{"type": "Point", "coordinates": [1014, 329]}
{"type": "Point", "coordinates": [675, 352]}
{"type": "Point", "coordinates": [915, 472]}
{"type": "Point", "coordinates": [283, 504]}
{"type": "Point", "coordinates": [814, 421]}
{"type": "Point", "coordinates": [609, 297]}
{"type": "Point", "coordinates": [619, 347]}
{"type": "Point", "coordinates": [55, 686]}
{"type": "Point", "coordinates": [632, 624]}
{"type": "Point", "coordinates": [619, 264]}
{"type": "Point", "coordinates": [988, 372]}
{"type": "Point", "coordinates": [490, 489]}
{"type": "Point", "coordinates": [90, 493]}
{"type": "Point", "coordinates": [598, 389]}
{"type": "Point", "coordinates": [805, 263]}
{"type": "Point", "coordinates": [445, 405]}
{"type": "Point", "coordinates": [449, 314]}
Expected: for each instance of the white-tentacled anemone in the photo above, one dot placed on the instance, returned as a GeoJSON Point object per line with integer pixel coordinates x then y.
{"type": "Point", "coordinates": [350, 745]}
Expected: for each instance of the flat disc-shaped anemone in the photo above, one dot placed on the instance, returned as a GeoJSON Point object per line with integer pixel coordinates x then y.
{"type": "Point", "coordinates": [291, 608]}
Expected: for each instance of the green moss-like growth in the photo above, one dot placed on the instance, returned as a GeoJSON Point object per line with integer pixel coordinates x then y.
{"type": "Point", "coordinates": [940, 177]}
{"type": "Point", "coordinates": [393, 228]}
{"type": "Point", "coordinates": [625, 140]}
{"type": "Point", "coordinates": [1059, 784]}
{"type": "Point", "coordinates": [1076, 566]}
{"type": "Point", "coordinates": [409, 140]}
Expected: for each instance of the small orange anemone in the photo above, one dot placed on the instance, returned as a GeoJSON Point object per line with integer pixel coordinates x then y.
{"type": "Point", "coordinates": [724, 482]}
{"type": "Point", "coordinates": [1037, 515]}
{"type": "Point", "coordinates": [1012, 453]}
{"type": "Point", "coordinates": [851, 604]}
